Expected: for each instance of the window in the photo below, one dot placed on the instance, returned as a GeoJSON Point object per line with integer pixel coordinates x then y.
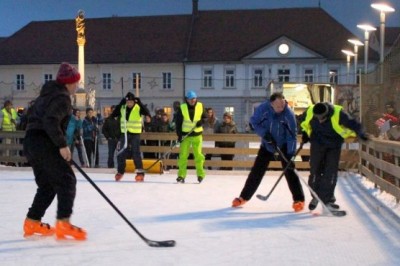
{"type": "Point", "coordinates": [167, 80]}
{"type": "Point", "coordinates": [283, 75]}
{"type": "Point", "coordinates": [136, 80]}
{"type": "Point", "coordinates": [308, 75]}
{"type": "Point", "coordinates": [258, 78]}
{"type": "Point", "coordinates": [47, 77]}
{"type": "Point", "coordinates": [207, 78]}
{"type": "Point", "coordinates": [20, 82]}
{"type": "Point", "coordinates": [106, 81]}
{"type": "Point", "coordinates": [229, 78]}
{"type": "Point", "coordinates": [333, 76]}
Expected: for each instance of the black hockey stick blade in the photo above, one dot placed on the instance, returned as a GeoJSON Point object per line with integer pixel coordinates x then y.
{"type": "Point", "coordinates": [151, 243]}
{"type": "Point", "coordinates": [161, 244]}
{"type": "Point", "coordinates": [261, 197]}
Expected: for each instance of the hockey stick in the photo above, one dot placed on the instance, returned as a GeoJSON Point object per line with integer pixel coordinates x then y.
{"type": "Point", "coordinates": [264, 198]}
{"type": "Point", "coordinates": [84, 150]}
{"type": "Point", "coordinates": [170, 150]}
{"type": "Point", "coordinates": [151, 243]}
{"type": "Point", "coordinates": [325, 210]}
{"type": "Point", "coordinates": [125, 140]}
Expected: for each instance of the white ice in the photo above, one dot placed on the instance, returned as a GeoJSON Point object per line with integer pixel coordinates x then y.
{"type": "Point", "coordinates": [199, 218]}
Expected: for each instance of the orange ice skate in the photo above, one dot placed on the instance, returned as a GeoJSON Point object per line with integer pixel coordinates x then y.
{"type": "Point", "coordinates": [65, 230]}
{"type": "Point", "coordinates": [36, 227]}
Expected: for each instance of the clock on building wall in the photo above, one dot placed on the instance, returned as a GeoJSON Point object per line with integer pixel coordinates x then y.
{"type": "Point", "coordinates": [283, 48]}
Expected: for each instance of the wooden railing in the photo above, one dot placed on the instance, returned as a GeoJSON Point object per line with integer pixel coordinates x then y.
{"type": "Point", "coordinates": [380, 160]}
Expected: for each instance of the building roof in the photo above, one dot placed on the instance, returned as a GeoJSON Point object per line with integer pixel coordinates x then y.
{"type": "Point", "coordinates": [215, 36]}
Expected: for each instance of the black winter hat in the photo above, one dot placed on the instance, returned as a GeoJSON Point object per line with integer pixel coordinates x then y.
{"type": "Point", "coordinates": [130, 96]}
{"type": "Point", "coordinates": [321, 110]}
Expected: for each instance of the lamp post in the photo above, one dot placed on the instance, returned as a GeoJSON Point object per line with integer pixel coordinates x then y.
{"type": "Point", "coordinates": [383, 8]}
{"type": "Point", "coordinates": [356, 43]}
{"type": "Point", "coordinates": [367, 29]}
{"type": "Point", "coordinates": [348, 54]}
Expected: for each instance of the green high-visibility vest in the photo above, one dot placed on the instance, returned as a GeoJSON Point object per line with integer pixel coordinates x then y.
{"type": "Point", "coordinates": [341, 130]}
{"type": "Point", "coordinates": [188, 124]}
{"type": "Point", "coordinates": [7, 125]}
{"type": "Point", "coordinates": [134, 121]}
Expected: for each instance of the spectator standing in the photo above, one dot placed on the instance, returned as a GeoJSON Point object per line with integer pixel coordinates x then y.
{"type": "Point", "coordinates": [209, 126]}
{"type": "Point", "coordinates": [189, 120]}
{"type": "Point", "coordinates": [90, 132]}
{"type": "Point", "coordinates": [130, 111]}
{"type": "Point", "coordinates": [149, 126]}
{"type": "Point", "coordinates": [275, 122]}
{"type": "Point", "coordinates": [74, 136]}
{"type": "Point", "coordinates": [228, 126]}
{"type": "Point", "coordinates": [8, 122]}
{"type": "Point", "coordinates": [112, 132]}
{"type": "Point", "coordinates": [46, 149]}
{"type": "Point", "coordinates": [326, 126]}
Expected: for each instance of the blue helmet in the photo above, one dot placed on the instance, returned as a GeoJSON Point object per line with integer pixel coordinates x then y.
{"type": "Point", "coordinates": [190, 95]}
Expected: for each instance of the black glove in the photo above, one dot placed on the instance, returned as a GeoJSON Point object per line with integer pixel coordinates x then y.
{"type": "Point", "coordinates": [123, 101]}
{"type": "Point", "coordinates": [179, 138]}
{"type": "Point", "coordinates": [364, 136]}
{"type": "Point", "coordinates": [305, 138]}
{"type": "Point", "coordinates": [199, 123]}
{"type": "Point", "coordinates": [269, 139]}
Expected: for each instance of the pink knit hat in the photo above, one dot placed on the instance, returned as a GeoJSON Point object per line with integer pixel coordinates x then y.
{"type": "Point", "coordinates": [67, 74]}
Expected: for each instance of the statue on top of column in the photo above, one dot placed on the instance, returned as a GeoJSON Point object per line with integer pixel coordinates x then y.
{"type": "Point", "coordinates": [80, 25]}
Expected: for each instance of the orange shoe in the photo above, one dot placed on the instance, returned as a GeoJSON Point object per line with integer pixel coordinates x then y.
{"type": "Point", "coordinates": [237, 202]}
{"type": "Point", "coordinates": [139, 177]}
{"type": "Point", "coordinates": [65, 229]}
{"type": "Point", "coordinates": [36, 227]}
{"type": "Point", "coordinates": [118, 176]}
{"type": "Point", "coordinates": [298, 206]}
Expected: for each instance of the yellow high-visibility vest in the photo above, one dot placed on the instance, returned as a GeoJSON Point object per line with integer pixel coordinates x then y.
{"type": "Point", "coordinates": [188, 124]}
{"type": "Point", "coordinates": [7, 125]}
{"type": "Point", "coordinates": [341, 130]}
{"type": "Point", "coordinates": [134, 121]}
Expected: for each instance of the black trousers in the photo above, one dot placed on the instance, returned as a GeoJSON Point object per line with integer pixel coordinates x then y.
{"type": "Point", "coordinates": [53, 176]}
{"type": "Point", "coordinates": [258, 170]}
{"type": "Point", "coordinates": [324, 166]}
{"type": "Point", "coordinates": [112, 146]}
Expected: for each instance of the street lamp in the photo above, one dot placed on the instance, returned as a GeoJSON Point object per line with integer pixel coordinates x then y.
{"type": "Point", "coordinates": [348, 54]}
{"type": "Point", "coordinates": [367, 28]}
{"type": "Point", "coordinates": [356, 43]}
{"type": "Point", "coordinates": [383, 8]}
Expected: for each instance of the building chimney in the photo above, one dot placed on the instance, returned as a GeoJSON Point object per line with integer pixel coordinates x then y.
{"type": "Point", "coordinates": [195, 10]}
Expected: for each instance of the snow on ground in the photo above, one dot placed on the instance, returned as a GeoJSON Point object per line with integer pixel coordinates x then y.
{"type": "Point", "coordinates": [199, 217]}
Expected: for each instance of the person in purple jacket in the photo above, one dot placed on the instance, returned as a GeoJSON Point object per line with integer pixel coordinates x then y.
{"type": "Point", "coordinates": [275, 122]}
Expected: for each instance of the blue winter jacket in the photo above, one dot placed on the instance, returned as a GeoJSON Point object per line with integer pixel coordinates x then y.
{"type": "Point", "coordinates": [282, 127]}
{"type": "Point", "coordinates": [73, 125]}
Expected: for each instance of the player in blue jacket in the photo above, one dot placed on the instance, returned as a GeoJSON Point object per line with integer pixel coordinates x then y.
{"type": "Point", "coordinates": [275, 122]}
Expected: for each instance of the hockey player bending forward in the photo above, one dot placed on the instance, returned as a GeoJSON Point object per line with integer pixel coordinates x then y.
{"type": "Point", "coordinates": [326, 126]}
{"type": "Point", "coordinates": [275, 122]}
{"type": "Point", "coordinates": [46, 149]}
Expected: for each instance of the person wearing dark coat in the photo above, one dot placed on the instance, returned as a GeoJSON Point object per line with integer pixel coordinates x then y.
{"type": "Point", "coordinates": [130, 111]}
{"type": "Point", "coordinates": [46, 149]}
{"type": "Point", "coordinates": [326, 126]}
{"type": "Point", "coordinates": [112, 132]}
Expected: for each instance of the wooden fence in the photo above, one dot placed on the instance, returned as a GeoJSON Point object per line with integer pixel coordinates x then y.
{"type": "Point", "coordinates": [380, 159]}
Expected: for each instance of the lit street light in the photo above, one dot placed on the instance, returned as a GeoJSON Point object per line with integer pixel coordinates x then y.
{"type": "Point", "coordinates": [348, 54]}
{"type": "Point", "coordinates": [367, 29]}
{"type": "Point", "coordinates": [383, 8]}
{"type": "Point", "coordinates": [356, 43]}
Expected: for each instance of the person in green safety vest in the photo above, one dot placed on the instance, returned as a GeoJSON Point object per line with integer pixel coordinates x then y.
{"type": "Point", "coordinates": [130, 111]}
{"type": "Point", "coordinates": [9, 117]}
{"type": "Point", "coordinates": [326, 126]}
{"type": "Point", "coordinates": [189, 121]}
